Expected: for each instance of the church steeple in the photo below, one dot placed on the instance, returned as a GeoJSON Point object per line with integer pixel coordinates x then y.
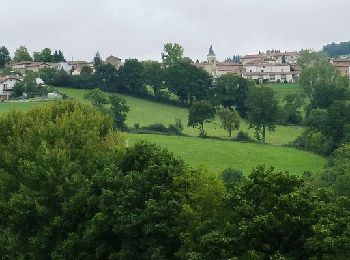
{"type": "Point", "coordinates": [211, 57]}
{"type": "Point", "coordinates": [211, 52]}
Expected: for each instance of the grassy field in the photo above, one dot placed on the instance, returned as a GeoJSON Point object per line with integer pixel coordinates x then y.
{"type": "Point", "coordinates": [216, 155]}
{"type": "Point", "coordinates": [219, 155]}
{"type": "Point", "coordinates": [21, 106]}
{"type": "Point", "coordinates": [146, 112]}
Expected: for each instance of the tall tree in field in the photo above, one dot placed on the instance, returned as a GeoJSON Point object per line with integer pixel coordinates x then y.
{"type": "Point", "coordinates": [229, 118]}
{"type": "Point", "coordinates": [172, 53]}
{"type": "Point", "coordinates": [119, 110]}
{"type": "Point", "coordinates": [4, 57]}
{"type": "Point", "coordinates": [22, 54]}
{"type": "Point", "coordinates": [263, 110]}
{"type": "Point", "coordinates": [201, 112]}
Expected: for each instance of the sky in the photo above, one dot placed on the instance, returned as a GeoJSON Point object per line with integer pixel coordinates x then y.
{"type": "Point", "coordinates": [140, 28]}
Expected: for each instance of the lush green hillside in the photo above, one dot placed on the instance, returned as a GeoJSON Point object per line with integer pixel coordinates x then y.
{"type": "Point", "coordinates": [146, 112]}
{"type": "Point", "coordinates": [218, 155]}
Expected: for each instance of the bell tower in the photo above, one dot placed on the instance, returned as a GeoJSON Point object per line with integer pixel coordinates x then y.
{"type": "Point", "coordinates": [211, 57]}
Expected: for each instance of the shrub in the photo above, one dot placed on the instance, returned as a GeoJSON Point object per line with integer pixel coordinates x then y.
{"type": "Point", "coordinates": [243, 136]}
{"type": "Point", "coordinates": [137, 126]}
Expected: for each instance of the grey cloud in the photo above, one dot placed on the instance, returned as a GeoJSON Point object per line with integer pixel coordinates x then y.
{"type": "Point", "coordinates": [139, 28]}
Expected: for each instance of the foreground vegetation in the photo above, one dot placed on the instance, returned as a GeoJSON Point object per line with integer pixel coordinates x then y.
{"type": "Point", "coordinates": [70, 189]}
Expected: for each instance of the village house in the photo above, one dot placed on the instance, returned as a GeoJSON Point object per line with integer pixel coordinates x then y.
{"type": "Point", "coordinates": [342, 64]}
{"type": "Point", "coordinates": [7, 84]}
{"type": "Point", "coordinates": [115, 61]}
{"type": "Point", "coordinates": [23, 66]}
{"type": "Point", "coordinates": [216, 68]}
{"type": "Point", "coordinates": [76, 66]}
{"type": "Point", "coordinates": [266, 72]}
{"type": "Point", "coordinates": [271, 57]}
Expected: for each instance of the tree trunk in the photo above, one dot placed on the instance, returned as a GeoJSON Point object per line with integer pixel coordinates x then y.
{"type": "Point", "coordinates": [230, 131]}
{"type": "Point", "coordinates": [263, 134]}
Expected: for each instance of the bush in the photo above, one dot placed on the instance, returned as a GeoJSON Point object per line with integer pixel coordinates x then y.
{"type": "Point", "coordinates": [243, 136]}
{"type": "Point", "coordinates": [158, 127]}
{"type": "Point", "coordinates": [137, 126]}
{"type": "Point", "coordinates": [177, 127]}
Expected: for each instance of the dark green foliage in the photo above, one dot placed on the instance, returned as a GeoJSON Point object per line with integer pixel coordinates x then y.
{"type": "Point", "coordinates": [29, 86]}
{"type": "Point", "coordinates": [131, 77]}
{"type": "Point", "coordinates": [200, 112]}
{"type": "Point", "coordinates": [112, 105]}
{"type": "Point", "coordinates": [22, 54]}
{"type": "Point", "coordinates": [269, 215]}
{"type": "Point", "coordinates": [154, 76]}
{"type": "Point", "coordinates": [119, 110]}
{"type": "Point", "coordinates": [187, 82]}
{"type": "Point", "coordinates": [97, 60]}
{"type": "Point", "coordinates": [232, 91]}
{"type": "Point", "coordinates": [5, 57]}
{"type": "Point", "coordinates": [337, 49]}
{"type": "Point", "coordinates": [263, 110]}
{"type": "Point", "coordinates": [291, 109]}
{"type": "Point", "coordinates": [229, 118]}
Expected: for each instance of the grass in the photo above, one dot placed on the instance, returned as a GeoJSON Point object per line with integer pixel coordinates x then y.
{"type": "Point", "coordinates": [219, 155]}
{"type": "Point", "coordinates": [21, 106]}
{"type": "Point", "coordinates": [146, 112]}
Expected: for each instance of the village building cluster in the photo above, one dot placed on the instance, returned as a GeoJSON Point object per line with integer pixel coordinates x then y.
{"type": "Point", "coordinates": [271, 66]}
{"type": "Point", "coordinates": [19, 69]}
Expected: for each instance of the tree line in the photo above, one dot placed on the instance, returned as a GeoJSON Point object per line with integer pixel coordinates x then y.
{"type": "Point", "coordinates": [337, 49]}
{"type": "Point", "coordinates": [22, 54]}
{"type": "Point", "coordinates": [71, 189]}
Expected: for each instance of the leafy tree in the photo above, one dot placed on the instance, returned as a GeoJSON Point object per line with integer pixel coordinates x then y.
{"type": "Point", "coordinates": [284, 60]}
{"type": "Point", "coordinates": [229, 118]}
{"type": "Point", "coordinates": [4, 57]}
{"type": "Point", "coordinates": [172, 53]}
{"type": "Point", "coordinates": [97, 60]}
{"type": "Point", "coordinates": [291, 109]}
{"type": "Point", "coordinates": [201, 112]}
{"type": "Point", "coordinates": [119, 110]}
{"type": "Point", "coordinates": [324, 84]}
{"type": "Point", "coordinates": [188, 82]}
{"type": "Point", "coordinates": [131, 76]}
{"type": "Point", "coordinates": [22, 54]}
{"type": "Point", "coordinates": [44, 56]}
{"type": "Point", "coordinates": [309, 58]}
{"type": "Point", "coordinates": [154, 75]}
{"type": "Point", "coordinates": [97, 97]}
{"type": "Point", "coordinates": [263, 110]}
{"type": "Point", "coordinates": [106, 76]}
{"type": "Point", "coordinates": [232, 90]}
{"type": "Point", "coordinates": [58, 56]}
{"type": "Point", "coordinates": [86, 71]}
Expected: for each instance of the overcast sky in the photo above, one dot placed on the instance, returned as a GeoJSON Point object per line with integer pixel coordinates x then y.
{"type": "Point", "coordinates": [139, 28]}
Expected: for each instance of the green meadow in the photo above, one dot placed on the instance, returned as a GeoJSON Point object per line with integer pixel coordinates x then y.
{"type": "Point", "coordinates": [146, 112]}
{"type": "Point", "coordinates": [219, 155]}
{"type": "Point", "coordinates": [214, 154]}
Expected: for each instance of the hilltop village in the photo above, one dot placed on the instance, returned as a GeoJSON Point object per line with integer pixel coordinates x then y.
{"type": "Point", "coordinates": [264, 67]}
